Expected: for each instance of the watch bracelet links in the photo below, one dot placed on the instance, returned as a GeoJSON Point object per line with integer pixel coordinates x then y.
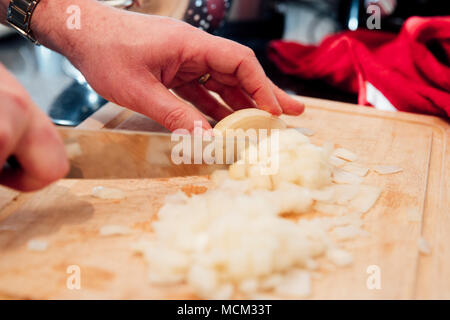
{"type": "Point", "coordinates": [19, 16]}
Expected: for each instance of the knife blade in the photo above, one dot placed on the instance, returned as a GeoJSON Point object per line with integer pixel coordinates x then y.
{"type": "Point", "coordinates": [119, 154]}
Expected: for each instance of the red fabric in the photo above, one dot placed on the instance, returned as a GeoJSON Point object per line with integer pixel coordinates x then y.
{"type": "Point", "coordinates": [400, 66]}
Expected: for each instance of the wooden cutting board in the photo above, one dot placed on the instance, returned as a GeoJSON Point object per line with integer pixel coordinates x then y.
{"type": "Point", "coordinates": [69, 218]}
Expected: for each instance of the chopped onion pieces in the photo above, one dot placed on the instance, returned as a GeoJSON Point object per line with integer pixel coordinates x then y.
{"type": "Point", "coordinates": [365, 199]}
{"type": "Point", "coordinates": [37, 245]}
{"type": "Point", "coordinates": [112, 230]}
{"type": "Point", "coordinates": [305, 131]}
{"type": "Point", "coordinates": [242, 235]}
{"type": "Point", "coordinates": [337, 162]}
{"type": "Point", "coordinates": [73, 150]}
{"type": "Point", "coordinates": [328, 208]}
{"type": "Point", "coordinates": [325, 194]}
{"type": "Point", "coordinates": [355, 169]}
{"type": "Point", "coordinates": [348, 232]}
{"type": "Point", "coordinates": [424, 247]}
{"type": "Point", "coordinates": [344, 177]}
{"type": "Point", "coordinates": [296, 284]}
{"type": "Point", "coordinates": [387, 169]}
{"type": "Point", "coordinates": [345, 154]}
{"type": "Point", "coordinates": [343, 193]}
{"type": "Point", "coordinates": [107, 193]}
{"type": "Point", "coordinates": [340, 257]}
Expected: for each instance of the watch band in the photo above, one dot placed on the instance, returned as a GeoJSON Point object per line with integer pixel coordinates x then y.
{"type": "Point", "coordinates": [19, 17]}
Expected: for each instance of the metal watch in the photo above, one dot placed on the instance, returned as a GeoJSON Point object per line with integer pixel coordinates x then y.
{"type": "Point", "coordinates": [19, 17]}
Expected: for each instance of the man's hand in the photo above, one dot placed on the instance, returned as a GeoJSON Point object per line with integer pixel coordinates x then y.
{"type": "Point", "coordinates": [134, 59]}
{"type": "Point", "coordinates": [28, 134]}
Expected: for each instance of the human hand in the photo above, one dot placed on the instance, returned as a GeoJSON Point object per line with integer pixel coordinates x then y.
{"type": "Point", "coordinates": [133, 60]}
{"type": "Point", "coordinates": [27, 133]}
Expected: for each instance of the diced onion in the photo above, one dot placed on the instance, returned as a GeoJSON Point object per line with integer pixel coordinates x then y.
{"type": "Point", "coordinates": [340, 257]}
{"type": "Point", "coordinates": [37, 245]}
{"type": "Point", "coordinates": [328, 208]}
{"type": "Point", "coordinates": [107, 193]}
{"type": "Point", "coordinates": [337, 162]}
{"type": "Point", "coordinates": [345, 154]}
{"type": "Point", "coordinates": [343, 193]}
{"type": "Point", "coordinates": [387, 169]}
{"type": "Point", "coordinates": [325, 194]}
{"type": "Point", "coordinates": [305, 131]}
{"type": "Point", "coordinates": [113, 230]}
{"type": "Point", "coordinates": [365, 199]}
{"type": "Point", "coordinates": [344, 177]}
{"type": "Point", "coordinates": [356, 169]}
{"type": "Point", "coordinates": [348, 232]}
{"type": "Point", "coordinates": [296, 284]}
{"type": "Point", "coordinates": [247, 235]}
{"type": "Point", "coordinates": [73, 150]}
{"type": "Point", "coordinates": [424, 247]}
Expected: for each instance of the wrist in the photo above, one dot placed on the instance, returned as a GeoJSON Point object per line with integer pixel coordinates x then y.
{"type": "Point", "coordinates": [61, 26]}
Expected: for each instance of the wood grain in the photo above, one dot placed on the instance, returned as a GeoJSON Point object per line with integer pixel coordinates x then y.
{"type": "Point", "coordinates": [68, 218]}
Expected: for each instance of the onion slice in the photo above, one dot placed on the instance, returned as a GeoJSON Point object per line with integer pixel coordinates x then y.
{"type": "Point", "coordinates": [112, 230]}
{"type": "Point", "coordinates": [305, 131]}
{"type": "Point", "coordinates": [365, 199]}
{"type": "Point", "coordinates": [424, 247]}
{"type": "Point", "coordinates": [343, 177]}
{"type": "Point", "coordinates": [387, 169]}
{"type": "Point", "coordinates": [37, 245]}
{"type": "Point", "coordinates": [337, 162]}
{"type": "Point", "coordinates": [356, 169]}
{"type": "Point", "coordinates": [345, 154]}
{"type": "Point", "coordinates": [107, 193]}
{"type": "Point", "coordinates": [296, 284]}
{"type": "Point", "coordinates": [340, 257]}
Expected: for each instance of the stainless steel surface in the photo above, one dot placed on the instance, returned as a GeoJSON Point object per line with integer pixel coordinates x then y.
{"type": "Point", "coordinates": [53, 84]}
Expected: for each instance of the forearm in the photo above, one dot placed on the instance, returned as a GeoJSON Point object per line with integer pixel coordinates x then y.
{"type": "Point", "coordinates": [61, 25]}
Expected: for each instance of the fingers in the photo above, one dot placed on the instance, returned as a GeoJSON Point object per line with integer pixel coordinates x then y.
{"type": "Point", "coordinates": [41, 154]}
{"type": "Point", "coordinates": [203, 100]}
{"type": "Point", "coordinates": [13, 122]}
{"type": "Point", "coordinates": [289, 105]}
{"type": "Point", "coordinates": [227, 57]}
{"type": "Point", "coordinates": [233, 96]}
{"type": "Point", "coordinates": [158, 103]}
{"type": "Point", "coordinates": [36, 145]}
{"type": "Point", "coordinates": [236, 66]}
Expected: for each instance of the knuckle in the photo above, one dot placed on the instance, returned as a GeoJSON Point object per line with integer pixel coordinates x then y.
{"type": "Point", "coordinates": [173, 119]}
{"type": "Point", "coordinates": [20, 102]}
{"type": "Point", "coordinates": [249, 53]}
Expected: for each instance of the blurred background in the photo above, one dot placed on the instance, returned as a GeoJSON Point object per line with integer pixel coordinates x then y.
{"type": "Point", "coordinates": [62, 92]}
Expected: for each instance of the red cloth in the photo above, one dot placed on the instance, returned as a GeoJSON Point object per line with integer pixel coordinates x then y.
{"type": "Point", "coordinates": [401, 67]}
